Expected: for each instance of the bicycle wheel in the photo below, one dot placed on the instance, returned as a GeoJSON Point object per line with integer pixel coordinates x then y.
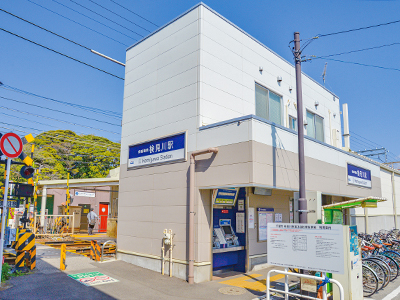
{"type": "Point", "coordinates": [393, 254]}
{"type": "Point", "coordinates": [394, 267]}
{"type": "Point", "coordinates": [385, 266]}
{"type": "Point", "coordinates": [379, 271]}
{"type": "Point", "coordinates": [370, 281]}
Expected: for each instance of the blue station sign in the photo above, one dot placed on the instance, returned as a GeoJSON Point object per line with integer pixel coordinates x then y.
{"type": "Point", "coordinates": [358, 176]}
{"type": "Point", "coordinates": [163, 150]}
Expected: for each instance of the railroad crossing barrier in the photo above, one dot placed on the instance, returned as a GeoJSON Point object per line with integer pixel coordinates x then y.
{"type": "Point", "coordinates": [104, 245]}
{"type": "Point", "coordinates": [55, 225]}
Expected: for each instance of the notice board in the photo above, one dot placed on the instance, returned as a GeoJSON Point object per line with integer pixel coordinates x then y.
{"type": "Point", "coordinates": [265, 216]}
{"type": "Point", "coordinates": [317, 247]}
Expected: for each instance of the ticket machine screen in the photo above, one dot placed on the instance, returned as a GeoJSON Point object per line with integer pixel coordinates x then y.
{"type": "Point", "coordinates": [227, 229]}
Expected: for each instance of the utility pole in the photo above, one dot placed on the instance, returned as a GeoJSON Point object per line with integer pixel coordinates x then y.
{"type": "Point", "coordinates": [300, 126]}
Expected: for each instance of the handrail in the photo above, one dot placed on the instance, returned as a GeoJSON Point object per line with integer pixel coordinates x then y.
{"type": "Point", "coordinates": [286, 291]}
{"type": "Point", "coordinates": [102, 249]}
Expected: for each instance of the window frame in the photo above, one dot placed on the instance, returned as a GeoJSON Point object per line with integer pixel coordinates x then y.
{"type": "Point", "coordinates": [315, 126]}
{"type": "Point", "coordinates": [295, 123]}
{"type": "Point", "coordinates": [268, 104]}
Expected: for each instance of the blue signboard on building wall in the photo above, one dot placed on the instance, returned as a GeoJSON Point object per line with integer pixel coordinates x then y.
{"type": "Point", "coordinates": [358, 176]}
{"type": "Point", "coordinates": [163, 150]}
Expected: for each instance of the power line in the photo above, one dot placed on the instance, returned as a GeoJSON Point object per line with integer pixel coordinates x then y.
{"type": "Point", "coordinates": [361, 64]}
{"type": "Point", "coordinates": [37, 122]}
{"type": "Point", "coordinates": [44, 133]}
{"type": "Point", "coordinates": [54, 119]}
{"type": "Point", "coordinates": [14, 100]}
{"type": "Point", "coordinates": [52, 50]}
{"type": "Point", "coordinates": [354, 51]}
{"type": "Point", "coordinates": [80, 45]}
{"type": "Point", "coordinates": [110, 113]}
{"type": "Point", "coordinates": [119, 15]}
{"type": "Point", "coordinates": [104, 17]}
{"type": "Point", "coordinates": [81, 24]}
{"type": "Point", "coordinates": [86, 16]}
{"type": "Point", "coordinates": [134, 13]}
{"type": "Point", "coordinates": [357, 29]}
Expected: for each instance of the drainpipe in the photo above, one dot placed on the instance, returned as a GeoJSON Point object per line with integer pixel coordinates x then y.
{"type": "Point", "coordinates": [191, 208]}
{"type": "Point", "coordinates": [394, 201]}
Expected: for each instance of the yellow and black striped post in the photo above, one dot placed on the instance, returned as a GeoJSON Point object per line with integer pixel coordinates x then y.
{"type": "Point", "coordinates": [20, 260]}
{"type": "Point", "coordinates": [25, 249]}
{"type": "Point", "coordinates": [97, 251]}
{"type": "Point", "coordinates": [92, 250]}
{"type": "Point", "coordinates": [67, 202]}
{"type": "Point", "coordinates": [32, 258]}
{"type": "Point", "coordinates": [63, 256]}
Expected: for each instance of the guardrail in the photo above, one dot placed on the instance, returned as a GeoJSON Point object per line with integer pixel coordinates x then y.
{"type": "Point", "coordinates": [53, 225]}
{"type": "Point", "coordinates": [287, 293]}
{"type": "Point", "coordinates": [102, 249]}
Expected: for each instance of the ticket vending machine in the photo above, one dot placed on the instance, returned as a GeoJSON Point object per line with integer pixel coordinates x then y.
{"type": "Point", "coordinates": [229, 236]}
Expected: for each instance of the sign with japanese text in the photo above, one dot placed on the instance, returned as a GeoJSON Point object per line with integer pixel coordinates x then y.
{"type": "Point", "coordinates": [317, 247]}
{"type": "Point", "coordinates": [226, 196]}
{"type": "Point", "coordinates": [358, 176]}
{"type": "Point", "coordinates": [92, 278]}
{"type": "Point", "coordinates": [85, 194]}
{"type": "Point", "coordinates": [163, 150]}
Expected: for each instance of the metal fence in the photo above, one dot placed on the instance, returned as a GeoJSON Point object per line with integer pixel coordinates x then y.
{"type": "Point", "coordinates": [52, 224]}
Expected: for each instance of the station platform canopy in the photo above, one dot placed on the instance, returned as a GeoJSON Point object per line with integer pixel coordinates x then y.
{"type": "Point", "coordinates": [361, 202]}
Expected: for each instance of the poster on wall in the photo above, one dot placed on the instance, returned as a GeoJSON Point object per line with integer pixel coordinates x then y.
{"type": "Point", "coordinates": [251, 217]}
{"type": "Point", "coordinates": [225, 196]}
{"type": "Point", "coordinates": [278, 217]}
{"type": "Point", "coordinates": [265, 216]}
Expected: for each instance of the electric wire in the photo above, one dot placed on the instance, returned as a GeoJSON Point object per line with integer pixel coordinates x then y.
{"type": "Point", "coordinates": [104, 17]}
{"type": "Point", "coordinates": [57, 120]}
{"type": "Point", "coordinates": [62, 54]}
{"type": "Point", "coordinates": [86, 16]}
{"type": "Point", "coordinates": [365, 65]}
{"type": "Point", "coordinates": [80, 23]}
{"type": "Point", "coordinates": [354, 51]}
{"type": "Point", "coordinates": [119, 16]}
{"type": "Point", "coordinates": [52, 32]}
{"type": "Point", "coordinates": [96, 110]}
{"type": "Point", "coordinates": [44, 133]}
{"type": "Point", "coordinates": [357, 29]}
{"type": "Point", "coordinates": [134, 13]}
{"type": "Point", "coordinates": [60, 111]}
{"type": "Point", "coordinates": [37, 122]}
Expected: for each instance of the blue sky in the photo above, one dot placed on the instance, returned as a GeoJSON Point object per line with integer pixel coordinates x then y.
{"type": "Point", "coordinates": [372, 93]}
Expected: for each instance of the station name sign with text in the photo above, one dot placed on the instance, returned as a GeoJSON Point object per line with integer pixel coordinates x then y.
{"type": "Point", "coordinates": [358, 176]}
{"type": "Point", "coordinates": [163, 150]}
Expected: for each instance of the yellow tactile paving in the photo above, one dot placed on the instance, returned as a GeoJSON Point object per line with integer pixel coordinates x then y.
{"type": "Point", "coordinates": [88, 236]}
{"type": "Point", "coordinates": [251, 282]}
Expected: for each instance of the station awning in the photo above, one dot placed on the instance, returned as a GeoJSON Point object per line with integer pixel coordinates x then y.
{"type": "Point", "coordinates": [361, 202]}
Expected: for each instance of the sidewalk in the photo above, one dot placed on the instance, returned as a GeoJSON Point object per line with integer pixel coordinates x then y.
{"type": "Point", "coordinates": [48, 282]}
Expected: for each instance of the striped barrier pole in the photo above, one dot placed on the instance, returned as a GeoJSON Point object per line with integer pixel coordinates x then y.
{"type": "Point", "coordinates": [63, 256]}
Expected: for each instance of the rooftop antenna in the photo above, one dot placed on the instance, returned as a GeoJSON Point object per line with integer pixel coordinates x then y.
{"type": "Point", "coordinates": [324, 73]}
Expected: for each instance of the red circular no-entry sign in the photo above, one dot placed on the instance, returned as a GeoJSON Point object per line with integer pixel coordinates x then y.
{"type": "Point", "coordinates": [11, 145]}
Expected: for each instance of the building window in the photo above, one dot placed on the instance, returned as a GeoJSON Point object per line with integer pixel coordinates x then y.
{"type": "Point", "coordinates": [268, 105]}
{"type": "Point", "coordinates": [315, 126]}
{"type": "Point", "coordinates": [293, 123]}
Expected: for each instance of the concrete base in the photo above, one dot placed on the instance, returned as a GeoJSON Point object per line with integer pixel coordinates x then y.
{"type": "Point", "coordinates": [258, 263]}
{"type": "Point", "coordinates": [201, 273]}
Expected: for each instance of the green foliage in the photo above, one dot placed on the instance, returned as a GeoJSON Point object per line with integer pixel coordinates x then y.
{"type": "Point", "coordinates": [5, 272]}
{"type": "Point", "coordinates": [58, 152]}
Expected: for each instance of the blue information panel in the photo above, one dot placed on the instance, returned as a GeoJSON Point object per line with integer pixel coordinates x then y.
{"type": "Point", "coordinates": [163, 150]}
{"type": "Point", "coordinates": [226, 196]}
{"type": "Point", "coordinates": [358, 176]}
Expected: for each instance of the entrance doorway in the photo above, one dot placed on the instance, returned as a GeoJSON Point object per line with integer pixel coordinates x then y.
{"type": "Point", "coordinates": [229, 230]}
{"type": "Point", "coordinates": [84, 221]}
{"type": "Point", "coordinates": [103, 216]}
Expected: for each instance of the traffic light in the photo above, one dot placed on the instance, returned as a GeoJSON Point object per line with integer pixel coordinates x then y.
{"type": "Point", "coordinates": [27, 172]}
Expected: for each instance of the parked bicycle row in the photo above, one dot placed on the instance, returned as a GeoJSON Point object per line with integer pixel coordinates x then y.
{"type": "Point", "coordinates": [380, 259]}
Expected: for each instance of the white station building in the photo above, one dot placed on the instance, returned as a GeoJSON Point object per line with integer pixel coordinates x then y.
{"type": "Point", "coordinates": [201, 83]}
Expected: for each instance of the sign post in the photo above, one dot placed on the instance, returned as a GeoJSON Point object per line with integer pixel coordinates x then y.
{"type": "Point", "coordinates": [4, 211]}
{"type": "Point", "coordinates": [11, 146]}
